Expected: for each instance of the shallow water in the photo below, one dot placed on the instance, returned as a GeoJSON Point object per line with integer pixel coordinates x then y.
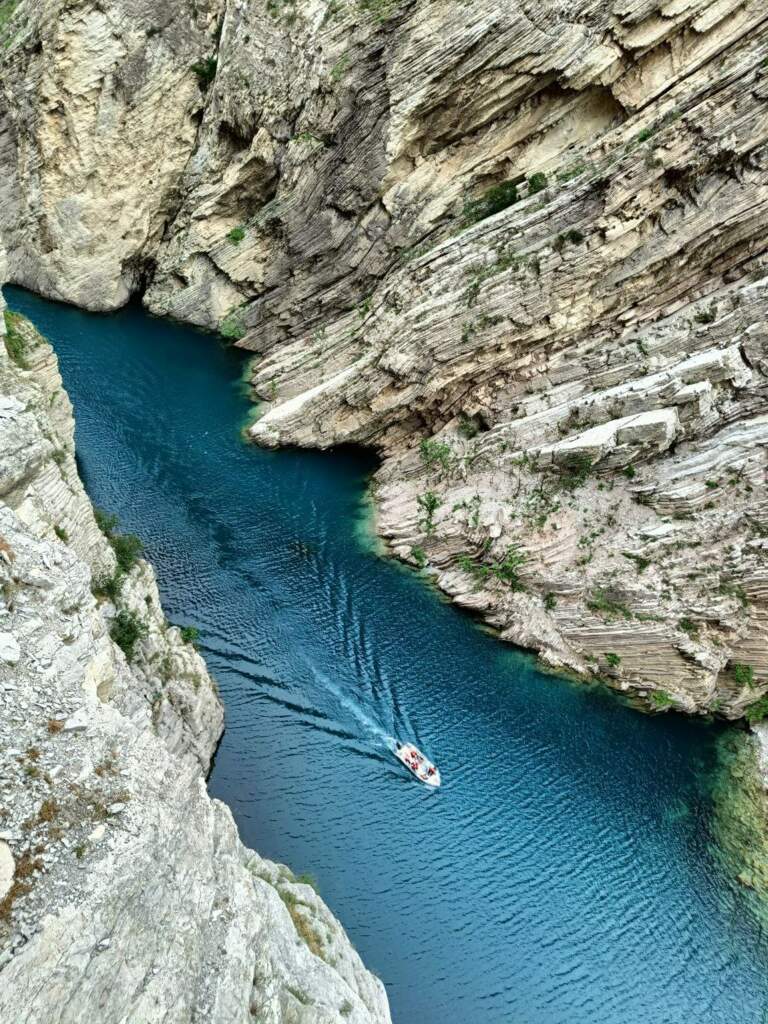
{"type": "Point", "coordinates": [563, 873]}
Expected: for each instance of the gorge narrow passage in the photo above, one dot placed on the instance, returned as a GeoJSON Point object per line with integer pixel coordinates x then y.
{"type": "Point", "coordinates": [563, 873]}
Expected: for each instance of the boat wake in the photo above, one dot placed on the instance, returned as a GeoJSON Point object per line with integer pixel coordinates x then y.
{"type": "Point", "coordinates": [406, 753]}
{"type": "Point", "coordinates": [353, 707]}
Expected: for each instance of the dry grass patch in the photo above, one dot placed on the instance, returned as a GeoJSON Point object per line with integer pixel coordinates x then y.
{"type": "Point", "coordinates": [301, 922]}
{"type": "Point", "coordinates": [26, 867]}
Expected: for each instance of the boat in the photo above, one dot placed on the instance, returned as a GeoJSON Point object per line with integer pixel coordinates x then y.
{"type": "Point", "coordinates": [417, 764]}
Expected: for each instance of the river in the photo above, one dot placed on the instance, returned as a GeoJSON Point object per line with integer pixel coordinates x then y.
{"type": "Point", "coordinates": [563, 874]}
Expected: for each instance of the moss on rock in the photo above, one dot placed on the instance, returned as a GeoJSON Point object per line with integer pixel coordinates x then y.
{"type": "Point", "coordinates": [740, 823]}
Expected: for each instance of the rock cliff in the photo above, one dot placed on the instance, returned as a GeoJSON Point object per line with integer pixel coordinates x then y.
{"type": "Point", "coordinates": [125, 892]}
{"type": "Point", "coordinates": [518, 248]}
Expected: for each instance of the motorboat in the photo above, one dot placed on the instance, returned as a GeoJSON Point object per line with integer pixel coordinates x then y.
{"type": "Point", "coordinates": [417, 764]}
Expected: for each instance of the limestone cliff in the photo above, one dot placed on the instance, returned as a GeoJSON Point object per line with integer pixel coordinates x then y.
{"type": "Point", "coordinates": [519, 248]}
{"type": "Point", "coordinates": [125, 892]}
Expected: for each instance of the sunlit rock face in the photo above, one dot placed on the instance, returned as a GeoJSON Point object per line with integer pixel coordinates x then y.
{"type": "Point", "coordinates": [533, 237]}
{"type": "Point", "coordinates": [99, 113]}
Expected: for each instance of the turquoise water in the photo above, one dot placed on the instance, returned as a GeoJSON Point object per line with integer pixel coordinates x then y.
{"type": "Point", "coordinates": [562, 875]}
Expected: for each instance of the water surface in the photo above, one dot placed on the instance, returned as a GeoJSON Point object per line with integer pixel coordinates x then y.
{"type": "Point", "coordinates": [562, 875]}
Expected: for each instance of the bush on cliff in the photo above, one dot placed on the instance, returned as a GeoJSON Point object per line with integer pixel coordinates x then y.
{"type": "Point", "coordinates": [758, 711]}
{"type": "Point", "coordinates": [127, 546]}
{"type": "Point", "coordinates": [495, 199]}
{"type": "Point", "coordinates": [743, 674]}
{"type": "Point", "coordinates": [205, 71]}
{"type": "Point", "coordinates": [190, 634]}
{"type": "Point", "coordinates": [14, 341]}
{"type": "Point", "coordinates": [537, 182]}
{"type": "Point", "coordinates": [126, 630]}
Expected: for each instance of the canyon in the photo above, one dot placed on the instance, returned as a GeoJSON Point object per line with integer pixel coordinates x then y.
{"type": "Point", "coordinates": [523, 258]}
{"type": "Point", "coordinates": [518, 250]}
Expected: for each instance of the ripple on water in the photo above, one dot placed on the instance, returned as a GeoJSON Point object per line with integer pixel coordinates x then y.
{"type": "Point", "coordinates": [562, 875]}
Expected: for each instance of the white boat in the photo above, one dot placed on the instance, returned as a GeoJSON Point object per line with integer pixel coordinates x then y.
{"type": "Point", "coordinates": [417, 764]}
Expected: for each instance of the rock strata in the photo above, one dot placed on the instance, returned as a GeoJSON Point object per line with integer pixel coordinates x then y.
{"type": "Point", "coordinates": [125, 892]}
{"type": "Point", "coordinates": [523, 255]}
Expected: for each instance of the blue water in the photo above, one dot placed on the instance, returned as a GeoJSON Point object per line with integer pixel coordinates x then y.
{"type": "Point", "coordinates": [562, 875]}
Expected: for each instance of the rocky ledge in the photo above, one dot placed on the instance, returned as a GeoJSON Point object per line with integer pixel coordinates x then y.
{"type": "Point", "coordinates": [125, 892]}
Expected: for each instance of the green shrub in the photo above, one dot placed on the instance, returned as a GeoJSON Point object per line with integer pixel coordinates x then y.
{"type": "Point", "coordinates": [734, 590]}
{"type": "Point", "coordinates": [706, 316]}
{"type": "Point", "coordinates": [435, 453]}
{"type": "Point", "coordinates": [689, 626]}
{"type": "Point", "coordinates": [419, 556]}
{"type": "Point", "coordinates": [758, 711]}
{"type": "Point", "coordinates": [472, 293]}
{"type": "Point", "coordinates": [127, 548]}
{"type": "Point", "coordinates": [109, 587]}
{"type": "Point", "coordinates": [493, 200]}
{"type": "Point", "coordinates": [537, 182]}
{"type": "Point", "coordinates": [7, 9]}
{"type": "Point", "coordinates": [232, 328]}
{"type": "Point", "coordinates": [309, 138]}
{"type": "Point", "coordinates": [307, 879]}
{"type": "Point", "coordinates": [468, 427]}
{"type": "Point", "coordinates": [575, 472]}
{"type": "Point", "coordinates": [743, 674]}
{"type": "Point", "coordinates": [190, 634]}
{"type": "Point", "coordinates": [661, 699]}
{"type": "Point", "coordinates": [550, 602]}
{"type": "Point", "coordinates": [573, 235]}
{"type": "Point", "coordinates": [15, 345]}
{"type": "Point", "coordinates": [236, 235]}
{"type": "Point", "coordinates": [340, 67]}
{"type": "Point", "coordinates": [105, 521]}
{"type": "Point", "coordinates": [379, 10]}
{"type": "Point", "coordinates": [506, 569]}
{"type": "Point", "coordinates": [126, 630]}
{"type": "Point", "coordinates": [430, 503]}
{"type": "Point", "coordinates": [613, 659]}
{"type": "Point", "coordinates": [601, 603]}
{"type": "Point", "coordinates": [571, 172]}
{"type": "Point", "coordinates": [61, 533]}
{"type": "Point", "coordinates": [205, 70]}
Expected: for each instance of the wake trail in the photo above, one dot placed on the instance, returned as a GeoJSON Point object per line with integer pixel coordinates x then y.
{"type": "Point", "coordinates": [353, 707]}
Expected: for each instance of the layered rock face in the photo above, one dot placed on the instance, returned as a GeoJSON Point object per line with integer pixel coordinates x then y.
{"type": "Point", "coordinates": [98, 117]}
{"type": "Point", "coordinates": [583, 357]}
{"type": "Point", "coordinates": [532, 236]}
{"type": "Point", "coordinates": [586, 367]}
{"type": "Point", "coordinates": [125, 892]}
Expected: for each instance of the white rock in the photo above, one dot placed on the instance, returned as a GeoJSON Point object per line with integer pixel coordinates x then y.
{"type": "Point", "coordinates": [10, 652]}
{"type": "Point", "coordinates": [7, 866]}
